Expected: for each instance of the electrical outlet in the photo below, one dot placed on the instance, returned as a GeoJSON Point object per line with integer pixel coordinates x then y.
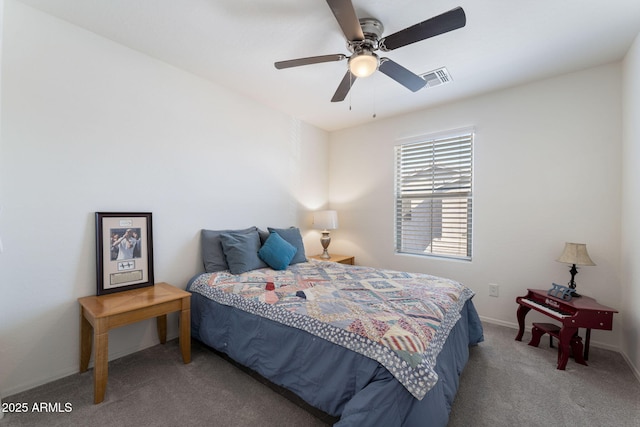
{"type": "Point", "coordinates": [493, 290]}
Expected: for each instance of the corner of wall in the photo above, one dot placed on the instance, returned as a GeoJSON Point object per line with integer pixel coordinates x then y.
{"type": "Point", "coordinates": [630, 209]}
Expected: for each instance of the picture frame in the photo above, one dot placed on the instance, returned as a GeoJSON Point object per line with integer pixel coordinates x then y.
{"type": "Point", "coordinates": [124, 251]}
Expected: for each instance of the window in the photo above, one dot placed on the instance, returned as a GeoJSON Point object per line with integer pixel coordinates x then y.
{"type": "Point", "coordinates": [433, 196]}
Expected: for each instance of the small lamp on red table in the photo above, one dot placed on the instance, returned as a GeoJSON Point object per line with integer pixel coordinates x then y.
{"type": "Point", "coordinates": [575, 254]}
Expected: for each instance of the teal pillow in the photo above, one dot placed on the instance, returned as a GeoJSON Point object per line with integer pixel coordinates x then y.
{"type": "Point", "coordinates": [277, 252]}
{"type": "Point", "coordinates": [241, 251]}
{"type": "Point", "coordinates": [292, 235]}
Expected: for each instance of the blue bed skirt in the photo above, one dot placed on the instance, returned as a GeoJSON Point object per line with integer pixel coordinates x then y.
{"type": "Point", "coordinates": [331, 378]}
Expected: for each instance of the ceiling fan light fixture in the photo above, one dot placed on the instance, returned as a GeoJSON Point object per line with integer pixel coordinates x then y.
{"type": "Point", "coordinates": [363, 64]}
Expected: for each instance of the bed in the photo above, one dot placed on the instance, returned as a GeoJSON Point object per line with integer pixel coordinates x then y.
{"type": "Point", "coordinates": [370, 346]}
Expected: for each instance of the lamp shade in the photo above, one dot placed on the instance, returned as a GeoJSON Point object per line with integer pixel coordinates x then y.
{"type": "Point", "coordinates": [363, 64]}
{"type": "Point", "coordinates": [575, 253]}
{"type": "Point", "coordinates": [325, 220]}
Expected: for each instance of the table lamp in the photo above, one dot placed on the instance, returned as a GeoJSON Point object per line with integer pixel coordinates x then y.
{"type": "Point", "coordinates": [575, 254]}
{"type": "Point", "coordinates": [325, 221]}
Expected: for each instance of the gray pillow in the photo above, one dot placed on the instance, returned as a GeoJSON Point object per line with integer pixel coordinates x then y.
{"type": "Point", "coordinates": [212, 253]}
{"type": "Point", "coordinates": [264, 235]}
{"type": "Point", "coordinates": [241, 251]}
{"type": "Point", "coordinates": [292, 235]}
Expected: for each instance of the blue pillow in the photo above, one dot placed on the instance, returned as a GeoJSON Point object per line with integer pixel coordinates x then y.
{"type": "Point", "coordinates": [292, 235]}
{"type": "Point", "coordinates": [241, 251]}
{"type": "Point", "coordinates": [277, 252]}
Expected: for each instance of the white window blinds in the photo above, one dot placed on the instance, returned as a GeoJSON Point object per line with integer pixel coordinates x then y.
{"type": "Point", "coordinates": [433, 186]}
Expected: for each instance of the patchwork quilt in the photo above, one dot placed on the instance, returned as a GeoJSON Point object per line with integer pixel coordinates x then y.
{"type": "Point", "coordinates": [399, 319]}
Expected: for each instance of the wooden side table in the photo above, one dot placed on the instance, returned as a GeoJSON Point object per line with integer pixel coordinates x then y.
{"type": "Point", "coordinates": [99, 314]}
{"type": "Point", "coordinates": [342, 259]}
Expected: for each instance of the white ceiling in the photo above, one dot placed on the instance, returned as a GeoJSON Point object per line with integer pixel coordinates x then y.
{"type": "Point", "coordinates": [235, 43]}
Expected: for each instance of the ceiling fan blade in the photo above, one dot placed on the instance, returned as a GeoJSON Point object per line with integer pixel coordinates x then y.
{"type": "Point", "coordinates": [344, 87]}
{"type": "Point", "coordinates": [400, 74]}
{"type": "Point", "coordinates": [307, 61]}
{"type": "Point", "coordinates": [448, 21]}
{"type": "Point", "coordinates": [346, 16]}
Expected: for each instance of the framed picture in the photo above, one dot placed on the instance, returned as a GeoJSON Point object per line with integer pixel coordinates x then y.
{"type": "Point", "coordinates": [124, 251]}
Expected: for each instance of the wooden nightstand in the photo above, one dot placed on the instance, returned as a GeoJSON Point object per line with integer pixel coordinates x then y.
{"type": "Point", "coordinates": [99, 314]}
{"type": "Point", "coordinates": [342, 259]}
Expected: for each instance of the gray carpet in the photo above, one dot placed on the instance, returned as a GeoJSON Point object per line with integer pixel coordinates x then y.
{"type": "Point", "coordinates": [506, 383]}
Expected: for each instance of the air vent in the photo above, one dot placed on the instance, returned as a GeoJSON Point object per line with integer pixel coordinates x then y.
{"type": "Point", "coordinates": [437, 77]}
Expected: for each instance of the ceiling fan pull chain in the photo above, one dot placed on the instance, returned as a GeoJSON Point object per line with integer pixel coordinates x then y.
{"type": "Point", "coordinates": [374, 99]}
{"type": "Point", "coordinates": [350, 85]}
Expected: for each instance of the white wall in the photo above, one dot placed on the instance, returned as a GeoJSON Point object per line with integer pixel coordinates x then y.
{"type": "Point", "coordinates": [547, 170]}
{"type": "Point", "coordinates": [631, 207]}
{"type": "Point", "coordinates": [89, 125]}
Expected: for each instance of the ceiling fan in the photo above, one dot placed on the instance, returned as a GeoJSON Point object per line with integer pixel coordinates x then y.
{"type": "Point", "coordinates": [363, 40]}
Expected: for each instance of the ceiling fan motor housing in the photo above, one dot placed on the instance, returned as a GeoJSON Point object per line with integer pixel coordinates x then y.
{"type": "Point", "coordinates": [371, 27]}
{"type": "Point", "coordinates": [372, 30]}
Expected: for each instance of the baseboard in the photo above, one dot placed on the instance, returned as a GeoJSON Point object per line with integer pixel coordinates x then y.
{"type": "Point", "coordinates": [515, 326]}
{"type": "Point", "coordinates": [72, 370]}
{"type": "Point", "coordinates": [502, 323]}
{"type": "Point", "coordinates": [635, 371]}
